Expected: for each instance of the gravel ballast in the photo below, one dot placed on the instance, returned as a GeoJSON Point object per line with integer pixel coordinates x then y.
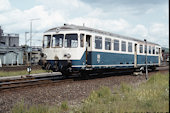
{"type": "Point", "coordinates": [53, 94]}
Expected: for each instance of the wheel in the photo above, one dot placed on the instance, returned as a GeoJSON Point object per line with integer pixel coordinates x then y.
{"type": "Point", "coordinates": [153, 68]}
{"type": "Point", "coordinates": [65, 74]}
{"type": "Point", "coordinates": [84, 75]}
{"type": "Point", "coordinates": [47, 67]}
{"type": "Point", "coordinates": [55, 68]}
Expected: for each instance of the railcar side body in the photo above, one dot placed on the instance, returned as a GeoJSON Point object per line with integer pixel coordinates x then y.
{"type": "Point", "coordinates": [72, 48]}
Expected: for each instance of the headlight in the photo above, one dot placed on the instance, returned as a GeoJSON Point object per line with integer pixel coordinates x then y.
{"type": "Point", "coordinates": [67, 55]}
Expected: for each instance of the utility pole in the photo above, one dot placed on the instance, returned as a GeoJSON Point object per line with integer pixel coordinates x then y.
{"type": "Point", "coordinates": [26, 38]}
{"type": "Point", "coordinates": [26, 48]}
{"type": "Point", "coordinates": [146, 75]}
{"type": "Point", "coordinates": [29, 68]}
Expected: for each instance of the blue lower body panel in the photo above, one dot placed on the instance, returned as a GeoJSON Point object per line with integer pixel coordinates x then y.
{"type": "Point", "coordinates": [150, 59]}
{"type": "Point", "coordinates": [108, 60]}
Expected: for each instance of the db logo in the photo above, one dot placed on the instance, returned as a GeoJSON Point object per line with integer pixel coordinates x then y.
{"type": "Point", "coordinates": [98, 58]}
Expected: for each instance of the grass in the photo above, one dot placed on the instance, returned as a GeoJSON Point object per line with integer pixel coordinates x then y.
{"type": "Point", "coordinates": [22, 108]}
{"type": "Point", "coordinates": [150, 96]}
{"type": "Point", "coordinates": [23, 72]}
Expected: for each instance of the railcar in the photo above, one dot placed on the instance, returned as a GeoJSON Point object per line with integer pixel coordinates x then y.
{"type": "Point", "coordinates": [71, 48]}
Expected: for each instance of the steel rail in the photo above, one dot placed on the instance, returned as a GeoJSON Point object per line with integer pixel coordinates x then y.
{"type": "Point", "coordinates": [31, 81]}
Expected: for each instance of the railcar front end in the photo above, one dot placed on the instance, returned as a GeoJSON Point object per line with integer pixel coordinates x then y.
{"type": "Point", "coordinates": [63, 51]}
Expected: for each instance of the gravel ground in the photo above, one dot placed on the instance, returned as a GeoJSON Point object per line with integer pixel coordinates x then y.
{"type": "Point", "coordinates": [52, 94]}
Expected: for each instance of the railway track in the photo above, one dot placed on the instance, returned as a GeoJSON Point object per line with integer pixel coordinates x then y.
{"type": "Point", "coordinates": [39, 80]}
{"type": "Point", "coordinates": [32, 81]}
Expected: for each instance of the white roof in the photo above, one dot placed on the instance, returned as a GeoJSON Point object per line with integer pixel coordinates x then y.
{"type": "Point", "coordinates": [68, 27]}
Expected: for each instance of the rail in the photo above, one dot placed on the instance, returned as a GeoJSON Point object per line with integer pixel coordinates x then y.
{"type": "Point", "coordinates": [38, 80]}
{"type": "Point", "coordinates": [31, 81]}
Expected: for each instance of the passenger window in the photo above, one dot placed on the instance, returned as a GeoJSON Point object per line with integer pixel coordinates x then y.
{"type": "Point", "coordinates": [81, 40]}
{"type": "Point", "coordinates": [145, 49]}
{"type": "Point", "coordinates": [107, 44]}
{"type": "Point", "coordinates": [141, 49]}
{"type": "Point", "coordinates": [149, 49]}
{"type": "Point", "coordinates": [129, 46]}
{"type": "Point", "coordinates": [116, 45]}
{"type": "Point", "coordinates": [98, 42]}
{"type": "Point", "coordinates": [57, 40]}
{"type": "Point", "coordinates": [157, 50]}
{"type": "Point", "coordinates": [123, 46]}
{"type": "Point", "coordinates": [153, 49]}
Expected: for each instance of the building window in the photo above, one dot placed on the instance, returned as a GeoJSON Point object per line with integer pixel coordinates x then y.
{"type": "Point", "coordinates": [141, 49]}
{"type": "Point", "coordinates": [123, 46]}
{"type": "Point", "coordinates": [107, 43]}
{"type": "Point", "coordinates": [98, 42]}
{"type": "Point", "coordinates": [129, 46]}
{"type": "Point", "coordinates": [81, 40]}
{"type": "Point", "coordinates": [57, 40]}
{"type": "Point", "coordinates": [116, 45]}
{"type": "Point", "coordinates": [153, 49]}
{"type": "Point", "coordinates": [149, 49]}
{"type": "Point", "coordinates": [71, 41]}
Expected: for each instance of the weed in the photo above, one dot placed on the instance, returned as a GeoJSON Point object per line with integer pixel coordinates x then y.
{"type": "Point", "coordinates": [64, 106]}
{"type": "Point", "coordinates": [151, 96]}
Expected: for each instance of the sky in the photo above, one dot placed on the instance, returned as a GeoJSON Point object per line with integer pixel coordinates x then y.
{"type": "Point", "coordinates": [141, 19]}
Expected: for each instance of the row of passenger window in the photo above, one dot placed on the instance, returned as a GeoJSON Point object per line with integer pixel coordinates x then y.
{"type": "Point", "coordinates": [98, 44]}
{"type": "Point", "coordinates": [151, 49]}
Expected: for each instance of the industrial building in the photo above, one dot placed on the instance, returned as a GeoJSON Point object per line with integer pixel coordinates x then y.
{"type": "Point", "coordinates": [8, 40]}
{"type": "Point", "coordinates": [10, 51]}
{"type": "Point", "coordinates": [13, 54]}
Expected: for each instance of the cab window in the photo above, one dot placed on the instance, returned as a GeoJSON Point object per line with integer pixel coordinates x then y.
{"type": "Point", "coordinates": [57, 40]}
{"type": "Point", "coordinates": [46, 41]}
{"type": "Point", "coordinates": [71, 40]}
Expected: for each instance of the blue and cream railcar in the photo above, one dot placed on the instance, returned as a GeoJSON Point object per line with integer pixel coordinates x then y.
{"type": "Point", "coordinates": [72, 48]}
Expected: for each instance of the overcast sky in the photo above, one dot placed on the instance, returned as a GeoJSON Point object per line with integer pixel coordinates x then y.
{"type": "Point", "coordinates": [136, 18]}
